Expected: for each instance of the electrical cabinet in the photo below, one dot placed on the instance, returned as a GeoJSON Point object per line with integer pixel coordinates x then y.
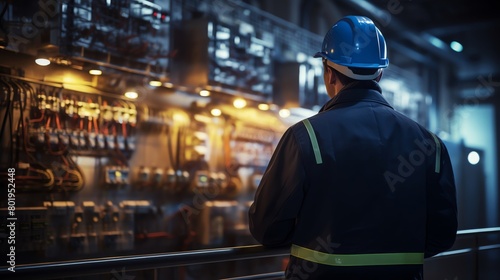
{"type": "Point", "coordinates": [299, 85]}
{"type": "Point", "coordinates": [229, 58]}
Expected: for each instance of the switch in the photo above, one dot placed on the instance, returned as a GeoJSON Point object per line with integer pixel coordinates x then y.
{"type": "Point", "coordinates": [53, 138]}
{"type": "Point", "coordinates": [101, 141]}
{"type": "Point", "coordinates": [82, 140]}
{"type": "Point", "coordinates": [110, 175]}
{"type": "Point", "coordinates": [75, 139]}
{"type": "Point", "coordinates": [144, 174]}
{"type": "Point", "coordinates": [110, 142]}
{"type": "Point", "coordinates": [120, 140]}
{"type": "Point", "coordinates": [158, 176]}
{"type": "Point", "coordinates": [64, 138]}
{"type": "Point", "coordinates": [92, 140]}
{"type": "Point", "coordinates": [130, 141]}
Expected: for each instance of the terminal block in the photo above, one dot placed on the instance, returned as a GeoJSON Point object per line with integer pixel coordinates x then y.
{"type": "Point", "coordinates": [110, 142]}
{"type": "Point", "coordinates": [120, 141]}
{"type": "Point", "coordinates": [157, 176]}
{"type": "Point", "coordinates": [101, 141]}
{"type": "Point", "coordinates": [117, 175]}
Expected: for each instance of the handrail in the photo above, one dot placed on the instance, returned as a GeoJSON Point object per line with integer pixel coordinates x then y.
{"type": "Point", "coordinates": [478, 230]}
{"type": "Point", "coordinates": [263, 276]}
{"type": "Point", "coordinates": [140, 262]}
{"type": "Point", "coordinates": [95, 266]}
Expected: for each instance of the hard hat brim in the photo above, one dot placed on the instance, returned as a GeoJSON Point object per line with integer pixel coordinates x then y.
{"type": "Point", "coordinates": [356, 65]}
{"type": "Point", "coordinates": [319, 54]}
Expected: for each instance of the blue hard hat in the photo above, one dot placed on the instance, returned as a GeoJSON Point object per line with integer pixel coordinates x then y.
{"type": "Point", "coordinates": [354, 41]}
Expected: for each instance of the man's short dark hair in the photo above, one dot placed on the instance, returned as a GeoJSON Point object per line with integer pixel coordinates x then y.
{"type": "Point", "coordinates": [359, 71]}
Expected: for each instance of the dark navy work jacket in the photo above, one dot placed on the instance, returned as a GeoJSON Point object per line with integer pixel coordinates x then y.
{"type": "Point", "coordinates": [378, 183]}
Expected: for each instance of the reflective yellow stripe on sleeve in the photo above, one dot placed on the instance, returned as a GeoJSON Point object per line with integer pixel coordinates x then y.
{"type": "Point", "coordinates": [314, 141]}
{"type": "Point", "coordinates": [357, 259]}
{"type": "Point", "coordinates": [438, 153]}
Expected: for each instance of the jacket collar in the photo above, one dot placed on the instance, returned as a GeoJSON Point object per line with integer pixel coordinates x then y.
{"type": "Point", "coordinates": [355, 92]}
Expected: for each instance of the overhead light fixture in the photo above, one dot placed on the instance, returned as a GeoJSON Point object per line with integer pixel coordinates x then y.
{"type": "Point", "coordinates": [216, 112]}
{"type": "Point", "coordinates": [42, 61]}
{"type": "Point", "coordinates": [95, 71]}
{"type": "Point", "coordinates": [456, 46]}
{"type": "Point", "coordinates": [473, 158]}
{"type": "Point", "coordinates": [284, 113]}
{"type": "Point", "coordinates": [263, 107]}
{"type": "Point", "coordinates": [155, 83]}
{"type": "Point", "coordinates": [301, 57]}
{"type": "Point", "coordinates": [204, 93]}
{"type": "Point", "coordinates": [131, 94]}
{"type": "Point", "coordinates": [45, 53]}
{"type": "Point", "coordinates": [168, 85]}
{"type": "Point", "coordinates": [435, 41]}
{"type": "Point", "coordinates": [239, 103]}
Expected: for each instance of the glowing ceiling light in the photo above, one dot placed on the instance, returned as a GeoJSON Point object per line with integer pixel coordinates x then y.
{"type": "Point", "coordinates": [456, 46]}
{"type": "Point", "coordinates": [473, 158]}
{"type": "Point", "coordinates": [216, 112]}
{"type": "Point", "coordinates": [155, 83]}
{"type": "Point", "coordinates": [168, 85]}
{"type": "Point", "coordinates": [95, 72]}
{"type": "Point", "coordinates": [284, 113]}
{"type": "Point", "coordinates": [131, 94]}
{"type": "Point", "coordinates": [301, 57]}
{"type": "Point", "coordinates": [42, 61]}
{"type": "Point", "coordinates": [436, 42]}
{"type": "Point", "coordinates": [263, 106]}
{"type": "Point", "coordinates": [204, 92]}
{"type": "Point", "coordinates": [239, 103]}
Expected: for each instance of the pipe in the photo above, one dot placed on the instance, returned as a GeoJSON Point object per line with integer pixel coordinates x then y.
{"type": "Point", "coordinates": [420, 39]}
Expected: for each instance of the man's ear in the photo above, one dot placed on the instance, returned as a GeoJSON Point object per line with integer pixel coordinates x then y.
{"type": "Point", "coordinates": [332, 78]}
{"type": "Point", "coordinates": [377, 79]}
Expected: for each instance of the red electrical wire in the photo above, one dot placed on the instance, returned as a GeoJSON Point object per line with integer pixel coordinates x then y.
{"type": "Point", "coordinates": [58, 122]}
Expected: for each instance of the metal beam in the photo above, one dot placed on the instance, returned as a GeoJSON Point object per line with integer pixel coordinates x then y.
{"type": "Point", "coordinates": [387, 19]}
{"type": "Point", "coordinates": [451, 29]}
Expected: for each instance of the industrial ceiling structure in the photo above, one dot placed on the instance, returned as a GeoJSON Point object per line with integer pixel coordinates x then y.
{"type": "Point", "coordinates": [429, 27]}
{"type": "Point", "coordinates": [419, 32]}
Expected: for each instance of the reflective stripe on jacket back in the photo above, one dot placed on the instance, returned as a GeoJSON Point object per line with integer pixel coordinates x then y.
{"type": "Point", "coordinates": [356, 259]}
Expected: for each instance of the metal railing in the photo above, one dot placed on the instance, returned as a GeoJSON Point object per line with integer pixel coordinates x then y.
{"type": "Point", "coordinates": [154, 262]}
{"type": "Point", "coordinates": [96, 266]}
